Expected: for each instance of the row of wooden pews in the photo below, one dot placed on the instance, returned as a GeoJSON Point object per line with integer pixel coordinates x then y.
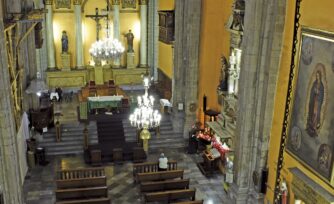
{"type": "Point", "coordinates": [163, 186]}
{"type": "Point", "coordinates": [82, 186]}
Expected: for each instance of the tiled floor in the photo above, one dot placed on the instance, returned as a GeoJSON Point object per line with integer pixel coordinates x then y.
{"type": "Point", "coordinates": [39, 185]}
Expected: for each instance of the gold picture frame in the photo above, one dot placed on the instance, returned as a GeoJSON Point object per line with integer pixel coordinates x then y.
{"type": "Point", "coordinates": [63, 4]}
{"type": "Point", "coordinates": [129, 4]}
{"type": "Point", "coordinates": [311, 126]}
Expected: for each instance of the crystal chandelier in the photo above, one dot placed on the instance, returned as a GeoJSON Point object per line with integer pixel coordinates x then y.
{"type": "Point", "coordinates": [144, 116]}
{"type": "Point", "coordinates": [106, 49]}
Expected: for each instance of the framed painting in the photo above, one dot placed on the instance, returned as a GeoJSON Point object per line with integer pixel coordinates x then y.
{"type": "Point", "coordinates": [129, 4]}
{"type": "Point", "coordinates": [311, 130]}
{"type": "Point", "coordinates": [59, 4]}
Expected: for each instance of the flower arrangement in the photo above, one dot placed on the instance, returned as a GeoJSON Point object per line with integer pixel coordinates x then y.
{"type": "Point", "coordinates": [204, 136]}
{"type": "Point", "coordinates": [222, 148]}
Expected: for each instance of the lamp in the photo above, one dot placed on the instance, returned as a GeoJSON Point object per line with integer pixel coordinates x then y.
{"type": "Point", "coordinates": [106, 49]}
{"type": "Point", "coordinates": [144, 116]}
{"type": "Point", "coordinates": [37, 86]}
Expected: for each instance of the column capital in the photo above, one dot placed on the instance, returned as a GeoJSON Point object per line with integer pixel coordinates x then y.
{"type": "Point", "coordinates": [115, 2]}
{"type": "Point", "coordinates": [48, 2]}
{"type": "Point", "coordinates": [77, 2]}
{"type": "Point", "coordinates": [143, 2]}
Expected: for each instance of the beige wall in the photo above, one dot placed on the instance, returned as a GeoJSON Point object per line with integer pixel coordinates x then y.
{"type": "Point", "coordinates": [214, 42]}
{"type": "Point", "coordinates": [165, 61]}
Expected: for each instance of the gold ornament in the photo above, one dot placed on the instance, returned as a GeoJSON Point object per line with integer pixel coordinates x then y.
{"type": "Point", "coordinates": [142, 2]}
{"type": "Point", "coordinates": [77, 2]}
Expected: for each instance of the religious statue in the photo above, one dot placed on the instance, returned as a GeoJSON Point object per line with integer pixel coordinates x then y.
{"type": "Point", "coordinates": [129, 37]}
{"type": "Point", "coordinates": [223, 76]}
{"type": "Point", "coordinates": [315, 104]}
{"type": "Point", "coordinates": [64, 42]}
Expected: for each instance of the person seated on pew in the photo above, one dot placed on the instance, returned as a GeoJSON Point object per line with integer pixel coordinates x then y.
{"type": "Point", "coordinates": [163, 163]}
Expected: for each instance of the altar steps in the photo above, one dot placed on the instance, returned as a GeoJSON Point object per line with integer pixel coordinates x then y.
{"type": "Point", "coordinates": [71, 139]}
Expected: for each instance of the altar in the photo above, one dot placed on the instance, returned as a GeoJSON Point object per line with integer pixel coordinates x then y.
{"type": "Point", "coordinates": [104, 102]}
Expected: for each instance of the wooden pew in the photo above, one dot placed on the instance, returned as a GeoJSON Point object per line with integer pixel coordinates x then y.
{"type": "Point", "coordinates": [82, 186]}
{"type": "Point", "coordinates": [168, 196]}
{"type": "Point", "coordinates": [79, 193]}
{"type": "Point", "coordinates": [191, 202]}
{"type": "Point", "coordinates": [150, 167]}
{"type": "Point", "coordinates": [164, 185]}
{"type": "Point", "coordinates": [88, 177]}
{"type": "Point", "coordinates": [87, 201]}
{"type": "Point", "coordinates": [160, 175]}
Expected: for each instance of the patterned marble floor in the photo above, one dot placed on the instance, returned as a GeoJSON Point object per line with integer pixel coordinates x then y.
{"type": "Point", "coordinates": [39, 185]}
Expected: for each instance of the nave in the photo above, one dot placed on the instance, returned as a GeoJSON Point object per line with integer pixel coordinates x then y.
{"type": "Point", "coordinates": [40, 185]}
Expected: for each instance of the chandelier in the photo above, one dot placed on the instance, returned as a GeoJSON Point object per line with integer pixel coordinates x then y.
{"type": "Point", "coordinates": [106, 49]}
{"type": "Point", "coordinates": [144, 116]}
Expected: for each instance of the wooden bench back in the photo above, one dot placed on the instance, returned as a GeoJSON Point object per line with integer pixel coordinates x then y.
{"type": "Point", "coordinates": [151, 167]}
{"type": "Point", "coordinates": [86, 201]}
{"type": "Point", "coordinates": [75, 193]}
{"type": "Point", "coordinates": [160, 175]}
{"type": "Point", "coordinates": [80, 173]}
{"type": "Point", "coordinates": [167, 196]}
{"type": "Point", "coordinates": [82, 182]}
{"type": "Point", "coordinates": [164, 185]}
{"type": "Point", "coordinates": [191, 202]}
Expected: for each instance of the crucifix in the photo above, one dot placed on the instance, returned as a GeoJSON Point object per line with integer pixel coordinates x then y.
{"type": "Point", "coordinates": [97, 17]}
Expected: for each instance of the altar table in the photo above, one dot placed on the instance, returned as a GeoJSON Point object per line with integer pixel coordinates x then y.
{"type": "Point", "coordinates": [104, 102]}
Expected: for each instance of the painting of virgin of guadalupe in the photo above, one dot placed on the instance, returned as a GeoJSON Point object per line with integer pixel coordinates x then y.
{"type": "Point", "coordinates": [311, 125]}
{"type": "Point", "coordinates": [316, 100]}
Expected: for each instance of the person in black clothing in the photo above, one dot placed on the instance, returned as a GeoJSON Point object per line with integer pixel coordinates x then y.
{"type": "Point", "coordinates": [60, 94]}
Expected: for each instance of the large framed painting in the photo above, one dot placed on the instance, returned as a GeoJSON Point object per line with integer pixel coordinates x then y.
{"type": "Point", "coordinates": [311, 130]}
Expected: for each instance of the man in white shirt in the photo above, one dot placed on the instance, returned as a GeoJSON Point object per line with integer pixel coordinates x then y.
{"type": "Point", "coordinates": [163, 162]}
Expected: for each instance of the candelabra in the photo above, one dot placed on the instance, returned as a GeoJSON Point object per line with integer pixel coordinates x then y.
{"type": "Point", "coordinates": [106, 49]}
{"type": "Point", "coordinates": [144, 116]}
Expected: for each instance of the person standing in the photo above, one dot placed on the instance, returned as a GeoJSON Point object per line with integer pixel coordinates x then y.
{"type": "Point", "coordinates": [163, 162]}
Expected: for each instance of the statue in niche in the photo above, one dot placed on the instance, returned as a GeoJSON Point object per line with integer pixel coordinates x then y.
{"type": "Point", "coordinates": [129, 37]}
{"type": "Point", "coordinates": [64, 42]}
{"type": "Point", "coordinates": [223, 75]}
{"type": "Point", "coordinates": [237, 23]}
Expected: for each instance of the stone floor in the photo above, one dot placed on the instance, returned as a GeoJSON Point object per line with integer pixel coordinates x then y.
{"type": "Point", "coordinates": [39, 185]}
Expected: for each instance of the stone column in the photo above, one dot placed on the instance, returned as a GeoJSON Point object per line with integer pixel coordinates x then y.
{"type": "Point", "coordinates": [78, 34]}
{"type": "Point", "coordinates": [10, 182]}
{"type": "Point", "coordinates": [261, 49]}
{"type": "Point", "coordinates": [143, 33]}
{"type": "Point", "coordinates": [115, 7]}
{"type": "Point", "coordinates": [186, 54]}
{"type": "Point", "coordinates": [153, 38]}
{"type": "Point", "coordinates": [49, 35]}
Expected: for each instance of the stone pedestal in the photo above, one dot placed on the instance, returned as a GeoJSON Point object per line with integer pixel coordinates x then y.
{"type": "Point", "coordinates": [66, 61]}
{"type": "Point", "coordinates": [130, 60]}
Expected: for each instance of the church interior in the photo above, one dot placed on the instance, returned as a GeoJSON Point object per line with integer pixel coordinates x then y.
{"type": "Point", "coordinates": [166, 101]}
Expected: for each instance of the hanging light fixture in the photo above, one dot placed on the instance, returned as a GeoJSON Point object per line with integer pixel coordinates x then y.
{"type": "Point", "coordinates": [144, 116]}
{"type": "Point", "coordinates": [106, 49]}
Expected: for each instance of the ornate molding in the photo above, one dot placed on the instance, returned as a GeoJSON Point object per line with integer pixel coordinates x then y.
{"type": "Point", "coordinates": [115, 2]}
{"type": "Point", "coordinates": [48, 2]}
{"type": "Point", "coordinates": [142, 2]}
{"type": "Point", "coordinates": [77, 2]}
